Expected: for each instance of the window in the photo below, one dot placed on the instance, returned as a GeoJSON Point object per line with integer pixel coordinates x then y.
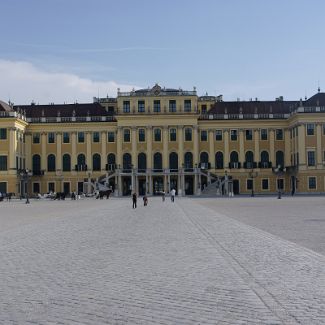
{"type": "Point", "coordinates": [204, 109]}
{"type": "Point", "coordinates": [66, 163]}
{"type": "Point", "coordinates": [156, 106]}
{"type": "Point", "coordinates": [141, 107]}
{"type": "Point", "coordinates": [3, 134]}
{"type": "Point", "coordinates": [279, 158]}
{"type": "Point", "coordinates": [157, 135]}
{"type": "Point", "coordinates": [51, 187]}
{"type": "Point", "coordinates": [96, 162]}
{"type": "Point", "coordinates": [81, 162]}
{"type": "Point", "coordinates": [249, 160]}
{"type": "Point", "coordinates": [172, 135]}
{"type": "Point", "coordinates": [324, 129]}
{"type": "Point", "coordinates": [249, 134]}
{"type": "Point", "coordinates": [188, 160]}
{"type": "Point", "coordinates": [204, 160]}
{"type": "Point", "coordinates": [310, 128]}
{"type": "Point", "coordinates": [36, 164]}
{"type": "Point", "coordinates": [187, 105]}
{"type": "Point", "coordinates": [36, 138]}
{"type": "Point", "coordinates": [265, 184]}
{"type": "Point", "coordinates": [95, 136]}
{"type": "Point", "coordinates": [51, 163]}
{"type": "Point", "coordinates": [36, 188]}
{"type": "Point", "coordinates": [157, 161]}
{"type": "Point", "coordinates": [3, 187]}
{"type": "Point", "coordinates": [51, 137]}
{"type": "Point", "coordinates": [126, 135]}
{"type": "Point", "coordinates": [263, 134]}
{"type": "Point", "coordinates": [218, 135]}
{"type": "Point", "coordinates": [81, 137]}
{"type": "Point", "coordinates": [111, 162]}
{"type": "Point", "coordinates": [312, 185]}
{"type": "Point", "coordinates": [66, 137]}
{"type": "Point", "coordinates": [279, 134]}
{"type": "Point", "coordinates": [3, 163]}
{"type": "Point", "coordinates": [126, 106]}
{"type": "Point", "coordinates": [219, 160]}
{"type": "Point", "coordinates": [173, 161]}
{"type": "Point", "coordinates": [249, 184]}
{"type": "Point", "coordinates": [142, 135]}
{"type": "Point", "coordinates": [234, 163]}
{"type": "Point", "coordinates": [264, 160]}
{"type": "Point", "coordinates": [172, 106]}
{"type": "Point", "coordinates": [110, 136]}
{"type": "Point", "coordinates": [127, 162]}
{"type": "Point", "coordinates": [233, 135]}
{"type": "Point", "coordinates": [311, 158]}
{"type": "Point", "coordinates": [188, 134]}
{"type": "Point", "coordinates": [204, 135]}
{"type": "Point", "coordinates": [142, 162]}
{"type": "Point", "coordinates": [280, 184]}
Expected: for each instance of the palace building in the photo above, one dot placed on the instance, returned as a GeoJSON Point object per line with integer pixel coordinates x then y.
{"type": "Point", "coordinates": [152, 140]}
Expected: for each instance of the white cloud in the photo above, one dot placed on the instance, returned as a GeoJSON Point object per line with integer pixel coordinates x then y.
{"type": "Point", "coordinates": [22, 82]}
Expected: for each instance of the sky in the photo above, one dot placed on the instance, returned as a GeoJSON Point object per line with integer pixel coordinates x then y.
{"type": "Point", "coordinates": [73, 50]}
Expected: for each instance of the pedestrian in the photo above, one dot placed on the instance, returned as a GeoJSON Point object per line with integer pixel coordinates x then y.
{"type": "Point", "coordinates": [172, 195]}
{"type": "Point", "coordinates": [134, 200]}
{"type": "Point", "coordinates": [163, 195]}
{"type": "Point", "coordinates": [145, 200]}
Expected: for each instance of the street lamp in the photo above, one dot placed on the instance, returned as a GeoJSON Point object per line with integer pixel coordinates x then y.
{"type": "Point", "coordinates": [279, 171]}
{"type": "Point", "coordinates": [253, 174]}
{"type": "Point", "coordinates": [25, 174]}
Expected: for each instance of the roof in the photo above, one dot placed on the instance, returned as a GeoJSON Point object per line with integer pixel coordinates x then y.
{"type": "Point", "coordinates": [316, 100]}
{"type": "Point", "coordinates": [4, 107]}
{"type": "Point", "coordinates": [63, 110]}
{"type": "Point", "coordinates": [254, 107]}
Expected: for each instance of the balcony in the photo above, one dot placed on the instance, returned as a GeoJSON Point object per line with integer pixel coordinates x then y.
{"type": "Point", "coordinates": [265, 164]}
{"type": "Point", "coordinates": [250, 165]}
{"type": "Point", "coordinates": [81, 168]}
{"type": "Point", "coordinates": [235, 165]}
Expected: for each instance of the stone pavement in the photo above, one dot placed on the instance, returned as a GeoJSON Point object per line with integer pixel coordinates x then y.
{"type": "Point", "coordinates": [102, 262]}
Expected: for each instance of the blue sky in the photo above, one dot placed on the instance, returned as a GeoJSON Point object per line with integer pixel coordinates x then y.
{"type": "Point", "coordinates": [68, 50]}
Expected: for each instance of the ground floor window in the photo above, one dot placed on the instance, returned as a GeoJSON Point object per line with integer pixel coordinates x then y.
{"type": "Point", "coordinates": [51, 187]}
{"type": "Point", "coordinates": [280, 184]}
{"type": "Point", "coordinates": [265, 184]}
{"type": "Point", "coordinates": [249, 184]}
{"type": "Point", "coordinates": [312, 183]}
{"type": "Point", "coordinates": [36, 188]}
{"type": "Point", "coordinates": [3, 187]}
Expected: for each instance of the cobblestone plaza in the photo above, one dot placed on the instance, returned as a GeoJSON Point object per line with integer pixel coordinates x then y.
{"type": "Point", "coordinates": [196, 261]}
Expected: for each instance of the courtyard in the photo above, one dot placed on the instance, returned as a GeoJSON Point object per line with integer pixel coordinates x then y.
{"type": "Point", "coordinates": [196, 261]}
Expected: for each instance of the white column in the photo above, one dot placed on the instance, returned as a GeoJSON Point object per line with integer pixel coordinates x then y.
{"type": "Point", "coordinates": [257, 145]}
{"type": "Point", "coordinates": [43, 155]}
{"type": "Point", "coordinates": [88, 151]}
{"type": "Point", "coordinates": [119, 139]}
{"type": "Point", "coordinates": [302, 144]}
{"type": "Point", "coordinates": [287, 148]}
{"type": "Point", "coordinates": [28, 150]}
{"type": "Point", "coordinates": [241, 147]}
{"type": "Point", "coordinates": [149, 147]}
{"type": "Point", "coordinates": [59, 151]}
{"type": "Point", "coordinates": [134, 147]}
{"type": "Point", "coordinates": [226, 147]}
{"type": "Point", "coordinates": [165, 147]}
{"type": "Point", "coordinates": [272, 152]}
{"type": "Point", "coordinates": [196, 144]}
{"type": "Point", "coordinates": [180, 138]}
{"type": "Point", "coordinates": [211, 148]}
{"type": "Point", "coordinates": [103, 157]}
{"type": "Point", "coordinates": [12, 149]}
{"type": "Point", "coordinates": [319, 153]}
{"type": "Point", "coordinates": [73, 149]}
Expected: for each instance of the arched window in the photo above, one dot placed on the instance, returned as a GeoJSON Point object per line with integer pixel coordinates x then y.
{"type": "Point", "coordinates": [66, 163]}
{"type": "Point", "coordinates": [204, 160]}
{"type": "Point", "coordinates": [127, 162]}
{"type": "Point", "coordinates": [188, 160]}
{"type": "Point", "coordinates": [81, 162]}
{"type": "Point", "coordinates": [142, 162]}
{"type": "Point", "coordinates": [96, 162]}
{"type": "Point", "coordinates": [36, 163]}
{"type": "Point", "coordinates": [111, 161]}
{"type": "Point", "coordinates": [234, 160]}
{"type": "Point", "coordinates": [173, 161]}
{"type": "Point", "coordinates": [249, 159]}
{"type": "Point", "coordinates": [264, 159]}
{"type": "Point", "coordinates": [279, 158]}
{"type": "Point", "coordinates": [157, 161]}
{"type": "Point", "coordinates": [51, 163]}
{"type": "Point", "coordinates": [219, 160]}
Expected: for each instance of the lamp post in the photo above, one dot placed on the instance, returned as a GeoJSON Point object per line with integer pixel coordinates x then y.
{"type": "Point", "coordinates": [25, 174]}
{"type": "Point", "coordinates": [253, 174]}
{"type": "Point", "coordinates": [279, 171]}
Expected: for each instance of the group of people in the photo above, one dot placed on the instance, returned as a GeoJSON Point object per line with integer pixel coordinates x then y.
{"type": "Point", "coordinates": [145, 198]}
{"type": "Point", "coordinates": [5, 195]}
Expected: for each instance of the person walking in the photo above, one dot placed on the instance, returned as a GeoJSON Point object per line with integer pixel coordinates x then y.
{"type": "Point", "coordinates": [172, 194]}
{"type": "Point", "coordinates": [134, 200]}
{"type": "Point", "coordinates": [145, 200]}
{"type": "Point", "coordinates": [163, 196]}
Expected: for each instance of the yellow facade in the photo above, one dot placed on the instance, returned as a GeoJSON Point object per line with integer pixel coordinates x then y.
{"type": "Point", "coordinates": [158, 139]}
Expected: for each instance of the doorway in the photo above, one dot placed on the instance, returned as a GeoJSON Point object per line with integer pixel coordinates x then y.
{"type": "Point", "coordinates": [142, 187]}
{"type": "Point", "coordinates": [66, 188]}
{"type": "Point", "coordinates": [235, 183]}
{"type": "Point", "coordinates": [189, 185]}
